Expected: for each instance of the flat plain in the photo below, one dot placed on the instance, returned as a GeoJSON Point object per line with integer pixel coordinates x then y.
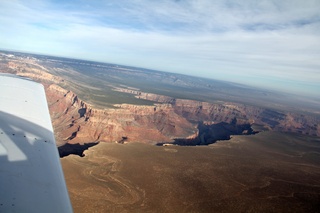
{"type": "Point", "coordinates": [266, 172]}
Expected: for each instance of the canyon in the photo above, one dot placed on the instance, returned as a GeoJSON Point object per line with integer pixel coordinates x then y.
{"type": "Point", "coordinates": [134, 140]}
{"type": "Point", "coordinates": [167, 120]}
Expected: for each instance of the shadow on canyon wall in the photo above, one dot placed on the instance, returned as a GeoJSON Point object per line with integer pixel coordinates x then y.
{"type": "Point", "coordinates": [74, 149]}
{"type": "Point", "coordinates": [207, 134]}
{"type": "Point", "coordinates": [210, 133]}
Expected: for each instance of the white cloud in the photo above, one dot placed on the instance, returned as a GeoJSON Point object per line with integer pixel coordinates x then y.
{"type": "Point", "coordinates": [231, 40]}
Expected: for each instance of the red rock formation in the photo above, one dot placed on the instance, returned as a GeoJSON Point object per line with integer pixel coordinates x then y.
{"type": "Point", "coordinates": [77, 122]}
{"type": "Point", "coordinates": [226, 112]}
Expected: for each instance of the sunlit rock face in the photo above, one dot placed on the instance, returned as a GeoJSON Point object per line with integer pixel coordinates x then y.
{"type": "Point", "coordinates": [169, 119]}
{"type": "Point", "coordinates": [227, 111]}
{"type": "Point", "coordinates": [77, 122]}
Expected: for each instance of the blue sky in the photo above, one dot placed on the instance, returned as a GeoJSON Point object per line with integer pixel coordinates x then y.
{"type": "Point", "coordinates": [272, 44]}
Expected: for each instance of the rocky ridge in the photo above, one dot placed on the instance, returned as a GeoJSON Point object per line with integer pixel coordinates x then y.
{"type": "Point", "coordinates": [77, 122]}
{"type": "Point", "coordinates": [226, 111]}
{"type": "Point", "coordinates": [169, 119]}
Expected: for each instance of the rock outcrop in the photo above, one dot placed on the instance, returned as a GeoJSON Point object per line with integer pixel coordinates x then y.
{"type": "Point", "coordinates": [75, 121]}
{"type": "Point", "coordinates": [198, 111]}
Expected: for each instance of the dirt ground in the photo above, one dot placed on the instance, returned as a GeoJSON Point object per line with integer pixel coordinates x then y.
{"type": "Point", "coordinates": [267, 172]}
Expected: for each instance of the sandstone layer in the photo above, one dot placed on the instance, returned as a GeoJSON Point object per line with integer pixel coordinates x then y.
{"type": "Point", "coordinates": [75, 121]}
{"type": "Point", "coordinates": [169, 119]}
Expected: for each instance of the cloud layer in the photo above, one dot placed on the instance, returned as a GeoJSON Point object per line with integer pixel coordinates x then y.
{"type": "Point", "coordinates": [268, 43]}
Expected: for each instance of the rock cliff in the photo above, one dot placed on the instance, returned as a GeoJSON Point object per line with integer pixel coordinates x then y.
{"type": "Point", "coordinates": [75, 121]}
{"type": "Point", "coordinates": [226, 111]}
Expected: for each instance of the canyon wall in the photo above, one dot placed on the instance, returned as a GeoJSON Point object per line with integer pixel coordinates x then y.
{"type": "Point", "coordinates": [75, 121]}
{"type": "Point", "coordinates": [226, 111]}
{"type": "Point", "coordinates": [169, 119]}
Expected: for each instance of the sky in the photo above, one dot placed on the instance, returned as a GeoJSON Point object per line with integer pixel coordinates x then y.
{"type": "Point", "coordinates": [268, 43]}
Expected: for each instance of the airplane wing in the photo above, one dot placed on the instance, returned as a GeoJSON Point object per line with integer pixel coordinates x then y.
{"type": "Point", "coordinates": [31, 177]}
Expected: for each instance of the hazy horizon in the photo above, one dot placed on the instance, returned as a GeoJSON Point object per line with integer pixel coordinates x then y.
{"type": "Point", "coordinates": [267, 44]}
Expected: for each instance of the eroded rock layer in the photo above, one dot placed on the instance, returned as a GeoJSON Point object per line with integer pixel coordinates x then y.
{"type": "Point", "coordinates": [75, 121]}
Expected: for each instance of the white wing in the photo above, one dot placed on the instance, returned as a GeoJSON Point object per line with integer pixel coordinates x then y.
{"type": "Point", "coordinates": [31, 177]}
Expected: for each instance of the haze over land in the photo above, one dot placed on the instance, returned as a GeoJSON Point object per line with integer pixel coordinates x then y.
{"type": "Point", "coordinates": [273, 44]}
{"type": "Point", "coordinates": [233, 125]}
{"type": "Point", "coordinates": [92, 101]}
{"type": "Point", "coordinates": [127, 110]}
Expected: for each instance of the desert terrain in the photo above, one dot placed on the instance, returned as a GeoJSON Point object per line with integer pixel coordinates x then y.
{"type": "Point", "coordinates": [136, 140]}
{"type": "Point", "coordinates": [268, 172]}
